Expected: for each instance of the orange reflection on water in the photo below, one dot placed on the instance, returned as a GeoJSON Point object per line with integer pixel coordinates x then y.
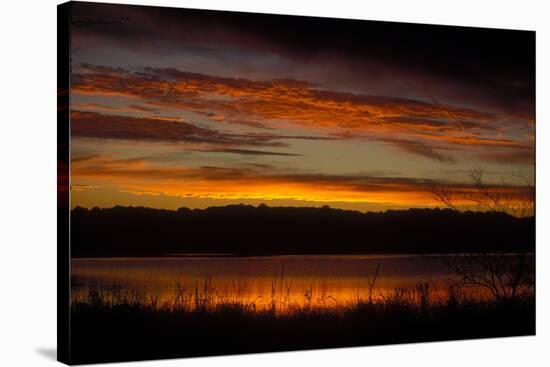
{"type": "Point", "coordinates": [278, 282]}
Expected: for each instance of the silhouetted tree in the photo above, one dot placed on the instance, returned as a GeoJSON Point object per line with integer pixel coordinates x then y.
{"type": "Point", "coordinates": [504, 275]}
{"type": "Point", "coordinates": [518, 200]}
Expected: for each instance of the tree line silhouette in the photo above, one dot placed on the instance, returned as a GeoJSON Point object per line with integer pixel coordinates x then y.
{"type": "Point", "coordinates": [247, 230]}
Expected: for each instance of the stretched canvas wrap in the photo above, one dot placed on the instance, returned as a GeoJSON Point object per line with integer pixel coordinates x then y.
{"type": "Point", "coordinates": [241, 183]}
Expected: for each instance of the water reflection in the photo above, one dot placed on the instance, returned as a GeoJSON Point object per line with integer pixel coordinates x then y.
{"type": "Point", "coordinates": [262, 282]}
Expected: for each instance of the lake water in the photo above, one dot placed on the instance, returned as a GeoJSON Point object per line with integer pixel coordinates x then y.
{"type": "Point", "coordinates": [321, 280]}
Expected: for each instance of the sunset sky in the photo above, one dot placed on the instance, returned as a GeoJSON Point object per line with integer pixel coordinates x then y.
{"type": "Point", "coordinates": [173, 107]}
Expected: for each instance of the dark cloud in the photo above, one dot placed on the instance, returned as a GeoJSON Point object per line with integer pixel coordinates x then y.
{"type": "Point", "coordinates": [251, 152]}
{"type": "Point", "coordinates": [255, 124]}
{"type": "Point", "coordinates": [113, 108]}
{"type": "Point", "coordinates": [484, 67]}
{"type": "Point", "coordinates": [444, 124]}
{"type": "Point", "coordinates": [421, 149]}
{"type": "Point", "coordinates": [520, 157]}
{"type": "Point", "coordinates": [104, 126]}
{"type": "Point", "coordinates": [96, 125]}
{"type": "Point", "coordinates": [143, 108]}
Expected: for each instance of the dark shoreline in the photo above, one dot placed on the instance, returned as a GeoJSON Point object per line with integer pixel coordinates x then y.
{"type": "Point", "coordinates": [266, 231]}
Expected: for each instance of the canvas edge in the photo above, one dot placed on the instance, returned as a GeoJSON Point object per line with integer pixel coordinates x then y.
{"type": "Point", "coordinates": [63, 182]}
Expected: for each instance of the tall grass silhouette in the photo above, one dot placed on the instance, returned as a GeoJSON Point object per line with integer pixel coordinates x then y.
{"type": "Point", "coordinates": [199, 320]}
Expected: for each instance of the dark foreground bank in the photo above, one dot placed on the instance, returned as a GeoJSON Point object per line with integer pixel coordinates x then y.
{"type": "Point", "coordinates": [102, 332]}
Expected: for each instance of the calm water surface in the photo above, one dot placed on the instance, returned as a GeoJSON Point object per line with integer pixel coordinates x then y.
{"type": "Point", "coordinates": [316, 279]}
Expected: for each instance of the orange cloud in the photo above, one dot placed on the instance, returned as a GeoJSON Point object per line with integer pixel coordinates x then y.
{"type": "Point", "coordinates": [234, 100]}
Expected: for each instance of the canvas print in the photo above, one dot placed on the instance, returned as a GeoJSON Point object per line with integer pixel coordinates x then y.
{"type": "Point", "coordinates": [240, 183]}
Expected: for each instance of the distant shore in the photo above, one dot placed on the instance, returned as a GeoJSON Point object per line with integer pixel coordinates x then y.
{"type": "Point", "coordinates": [244, 230]}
